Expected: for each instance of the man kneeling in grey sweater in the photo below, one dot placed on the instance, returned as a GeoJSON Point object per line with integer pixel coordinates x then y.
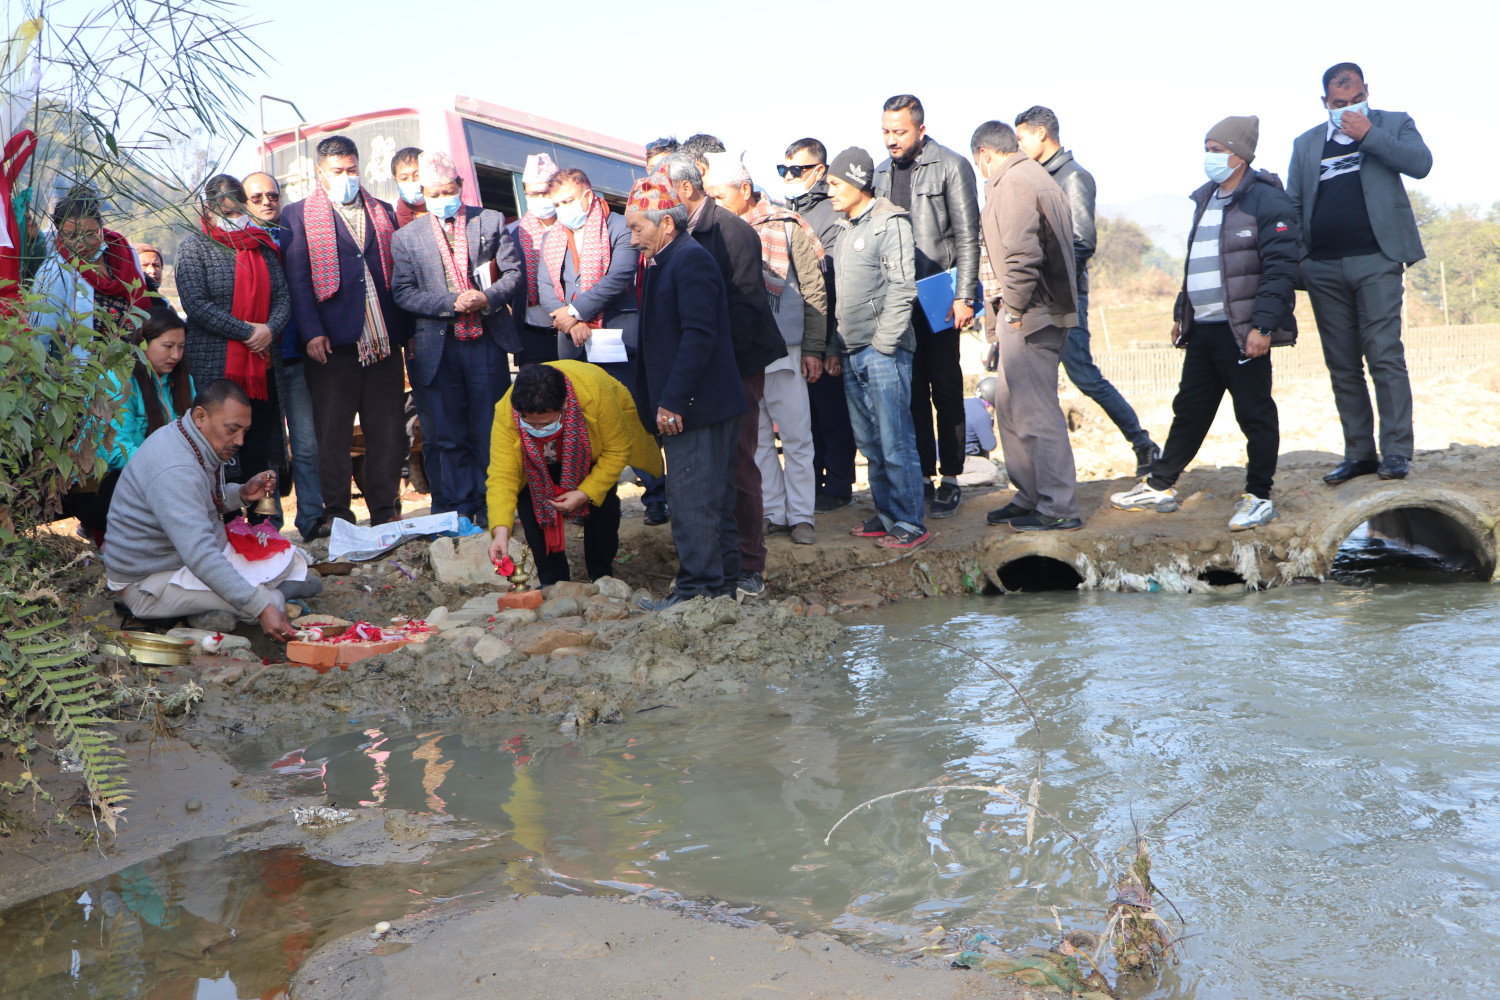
{"type": "Point", "coordinates": [167, 514]}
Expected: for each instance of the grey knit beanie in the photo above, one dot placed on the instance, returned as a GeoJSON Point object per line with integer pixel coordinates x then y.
{"type": "Point", "coordinates": [1238, 135]}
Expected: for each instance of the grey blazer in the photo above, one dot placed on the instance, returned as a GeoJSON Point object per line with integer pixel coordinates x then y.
{"type": "Point", "coordinates": [419, 284]}
{"type": "Point", "coordinates": [1392, 147]}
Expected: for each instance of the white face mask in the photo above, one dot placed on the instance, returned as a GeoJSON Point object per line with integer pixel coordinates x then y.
{"type": "Point", "coordinates": [544, 432]}
{"type": "Point", "coordinates": [541, 207]}
{"type": "Point", "coordinates": [232, 225]}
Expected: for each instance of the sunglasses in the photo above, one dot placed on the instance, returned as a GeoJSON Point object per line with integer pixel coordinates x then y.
{"type": "Point", "coordinates": [797, 170]}
{"type": "Point", "coordinates": [269, 196]}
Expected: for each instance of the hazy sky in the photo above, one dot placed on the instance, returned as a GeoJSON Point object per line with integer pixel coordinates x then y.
{"type": "Point", "coordinates": [1135, 86]}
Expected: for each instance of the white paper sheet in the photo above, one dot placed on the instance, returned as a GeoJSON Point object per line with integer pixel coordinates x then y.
{"type": "Point", "coordinates": [606, 347]}
{"type": "Point", "coordinates": [482, 276]}
{"type": "Point", "coordinates": [358, 544]}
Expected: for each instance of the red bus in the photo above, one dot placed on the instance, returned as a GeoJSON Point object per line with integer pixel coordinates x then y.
{"type": "Point", "coordinates": [488, 143]}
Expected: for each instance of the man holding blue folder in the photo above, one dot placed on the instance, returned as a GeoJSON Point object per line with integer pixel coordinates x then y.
{"type": "Point", "coordinates": [936, 187]}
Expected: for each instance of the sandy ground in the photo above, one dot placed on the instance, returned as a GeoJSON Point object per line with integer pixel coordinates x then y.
{"type": "Point", "coordinates": [597, 949]}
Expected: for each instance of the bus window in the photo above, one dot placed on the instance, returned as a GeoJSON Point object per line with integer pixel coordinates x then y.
{"type": "Point", "coordinates": [497, 189]}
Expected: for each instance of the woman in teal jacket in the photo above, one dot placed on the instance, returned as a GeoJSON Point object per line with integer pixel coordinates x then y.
{"type": "Point", "coordinates": [159, 391]}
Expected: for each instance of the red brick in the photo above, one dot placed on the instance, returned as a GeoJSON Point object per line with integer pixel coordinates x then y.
{"type": "Point", "coordinates": [528, 599]}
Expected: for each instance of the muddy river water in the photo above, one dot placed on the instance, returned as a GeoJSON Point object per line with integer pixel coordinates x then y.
{"type": "Point", "coordinates": [1340, 742]}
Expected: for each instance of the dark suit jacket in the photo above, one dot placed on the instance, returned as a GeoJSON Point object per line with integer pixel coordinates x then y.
{"type": "Point", "coordinates": [342, 318]}
{"type": "Point", "coordinates": [686, 359]}
{"type": "Point", "coordinates": [613, 294]}
{"type": "Point", "coordinates": [1392, 147]}
{"type": "Point", "coordinates": [735, 247]}
{"type": "Point", "coordinates": [419, 284]}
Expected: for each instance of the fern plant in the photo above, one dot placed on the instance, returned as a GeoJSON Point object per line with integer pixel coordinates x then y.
{"type": "Point", "coordinates": [45, 682]}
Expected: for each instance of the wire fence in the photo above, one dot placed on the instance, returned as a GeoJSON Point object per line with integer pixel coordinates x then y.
{"type": "Point", "coordinates": [1430, 351]}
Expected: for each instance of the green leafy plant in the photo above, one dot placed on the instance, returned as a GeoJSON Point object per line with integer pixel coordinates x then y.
{"type": "Point", "coordinates": [45, 681]}
{"type": "Point", "coordinates": [56, 404]}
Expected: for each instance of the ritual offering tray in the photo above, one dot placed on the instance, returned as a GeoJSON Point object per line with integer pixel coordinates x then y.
{"type": "Point", "coordinates": [323, 647]}
{"type": "Point", "coordinates": [149, 648]}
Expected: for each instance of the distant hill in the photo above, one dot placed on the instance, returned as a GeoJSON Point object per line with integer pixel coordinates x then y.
{"type": "Point", "coordinates": [1167, 217]}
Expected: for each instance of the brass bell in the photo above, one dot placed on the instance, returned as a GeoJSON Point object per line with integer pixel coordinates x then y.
{"type": "Point", "coordinates": [268, 505]}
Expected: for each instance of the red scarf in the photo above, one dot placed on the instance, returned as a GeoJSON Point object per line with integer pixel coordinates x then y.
{"type": "Point", "coordinates": [590, 246]}
{"type": "Point", "coordinates": [572, 453]}
{"type": "Point", "coordinates": [775, 243]}
{"type": "Point", "coordinates": [469, 325]}
{"type": "Point", "coordinates": [529, 233]}
{"type": "Point", "coordinates": [114, 273]}
{"type": "Point", "coordinates": [404, 213]}
{"type": "Point", "coordinates": [252, 300]}
{"type": "Point", "coordinates": [17, 151]}
{"type": "Point", "coordinates": [323, 245]}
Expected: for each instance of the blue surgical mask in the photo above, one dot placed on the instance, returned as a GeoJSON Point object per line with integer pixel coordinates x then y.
{"type": "Point", "coordinates": [1336, 115]}
{"type": "Point", "coordinates": [544, 432]}
{"type": "Point", "coordinates": [541, 207]}
{"type": "Point", "coordinates": [1216, 166]}
{"type": "Point", "coordinates": [573, 214]}
{"type": "Point", "coordinates": [411, 192]}
{"type": "Point", "coordinates": [344, 188]}
{"type": "Point", "coordinates": [444, 208]}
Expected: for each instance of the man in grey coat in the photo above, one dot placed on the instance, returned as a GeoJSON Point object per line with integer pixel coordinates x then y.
{"type": "Point", "coordinates": [165, 557]}
{"type": "Point", "coordinates": [456, 271]}
{"type": "Point", "coordinates": [1358, 235]}
{"type": "Point", "coordinates": [1028, 233]}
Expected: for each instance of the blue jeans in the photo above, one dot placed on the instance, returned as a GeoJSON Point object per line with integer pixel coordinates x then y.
{"type": "Point", "coordinates": [879, 390]}
{"type": "Point", "coordinates": [1078, 362]}
{"type": "Point", "coordinates": [302, 436]}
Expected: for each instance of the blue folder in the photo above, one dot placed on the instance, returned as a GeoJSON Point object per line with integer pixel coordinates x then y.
{"type": "Point", "coordinates": [935, 296]}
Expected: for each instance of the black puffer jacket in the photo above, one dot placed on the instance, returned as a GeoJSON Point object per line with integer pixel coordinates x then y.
{"type": "Point", "coordinates": [815, 207]}
{"type": "Point", "coordinates": [1078, 184]}
{"type": "Point", "coordinates": [944, 213]}
{"type": "Point", "coordinates": [1258, 255]}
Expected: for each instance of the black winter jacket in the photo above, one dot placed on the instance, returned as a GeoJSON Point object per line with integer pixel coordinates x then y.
{"type": "Point", "coordinates": [815, 207]}
{"type": "Point", "coordinates": [1078, 184]}
{"type": "Point", "coordinates": [1258, 258]}
{"type": "Point", "coordinates": [735, 246]}
{"type": "Point", "coordinates": [944, 213]}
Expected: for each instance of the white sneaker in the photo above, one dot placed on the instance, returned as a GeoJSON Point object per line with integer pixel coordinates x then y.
{"type": "Point", "coordinates": [1252, 512]}
{"type": "Point", "coordinates": [1142, 497]}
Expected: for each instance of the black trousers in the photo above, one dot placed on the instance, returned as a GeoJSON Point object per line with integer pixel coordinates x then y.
{"type": "Point", "coordinates": [92, 509]}
{"type": "Point", "coordinates": [601, 538]}
{"type": "Point", "coordinates": [833, 437]}
{"type": "Point", "coordinates": [340, 390]}
{"type": "Point", "coordinates": [538, 346]}
{"type": "Point", "coordinates": [937, 383]}
{"type": "Point", "coordinates": [262, 449]}
{"type": "Point", "coordinates": [1212, 366]}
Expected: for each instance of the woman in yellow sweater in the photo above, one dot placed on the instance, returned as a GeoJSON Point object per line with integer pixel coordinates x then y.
{"type": "Point", "coordinates": [562, 436]}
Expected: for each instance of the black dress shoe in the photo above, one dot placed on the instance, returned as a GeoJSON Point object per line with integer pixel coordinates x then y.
{"type": "Point", "coordinates": [1007, 514]}
{"type": "Point", "coordinates": [1393, 467]}
{"type": "Point", "coordinates": [826, 503]}
{"type": "Point", "coordinates": [322, 529]}
{"type": "Point", "coordinates": [1348, 469]}
{"type": "Point", "coordinates": [656, 513]}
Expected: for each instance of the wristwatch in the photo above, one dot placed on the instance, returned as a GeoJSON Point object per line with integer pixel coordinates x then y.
{"type": "Point", "coordinates": [1009, 318]}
